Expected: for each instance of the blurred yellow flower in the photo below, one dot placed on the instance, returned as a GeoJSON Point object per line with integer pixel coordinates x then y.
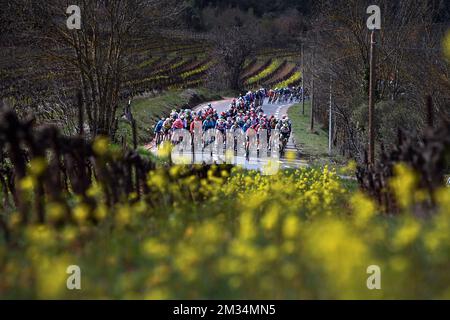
{"type": "Point", "coordinates": [164, 150]}
{"type": "Point", "coordinates": [27, 183]}
{"type": "Point", "coordinates": [37, 166]}
{"type": "Point", "coordinates": [291, 226]}
{"type": "Point", "coordinates": [363, 208]}
{"type": "Point", "coordinates": [69, 234]}
{"type": "Point", "coordinates": [41, 235]}
{"type": "Point", "coordinates": [293, 235]}
{"type": "Point", "coordinates": [247, 226]}
{"type": "Point", "coordinates": [158, 180]}
{"type": "Point", "coordinates": [101, 212]}
{"type": "Point", "coordinates": [403, 184]}
{"type": "Point", "coordinates": [51, 277]}
{"type": "Point", "coordinates": [406, 234]}
{"type": "Point", "coordinates": [157, 294]}
{"type": "Point", "coordinates": [291, 155]}
{"type": "Point", "coordinates": [94, 191]}
{"type": "Point", "coordinates": [153, 248]}
{"type": "Point", "coordinates": [81, 213]}
{"type": "Point", "coordinates": [14, 220]}
{"type": "Point", "coordinates": [100, 145]}
{"type": "Point", "coordinates": [398, 263]}
{"type": "Point", "coordinates": [270, 218]}
{"type": "Point", "coordinates": [55, 212]}
{"type": "Point", "coordinates": [123, 215]}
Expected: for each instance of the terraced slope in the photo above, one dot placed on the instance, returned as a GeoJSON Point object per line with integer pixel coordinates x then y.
{"type": "Point", "coordinates": [274, 72]}
{"type": "Point", "coordinates": [159, 64]}
{"type": "Point", "coordinates": [266, 74]}
{"type": "Point", "coordinates": [258, 67]}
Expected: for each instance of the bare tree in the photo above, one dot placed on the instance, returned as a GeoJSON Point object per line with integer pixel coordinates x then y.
{"type": "Point", "coordinates": [236, 36]}
{"type": "Point", "coordinates": [95, 57]}
{"type": "Point", "coordinates": [409, 66]}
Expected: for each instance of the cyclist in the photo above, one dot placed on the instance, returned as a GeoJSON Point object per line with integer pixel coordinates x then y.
{"type": "Point", "coordinates": [167, 126]}
{"type": "Point", "coordinates": [221, 125]}
{"type": "Point", "coordinates": [285, 133]}
{"type": "Point", "coordinates": [158, 131]}
{"type": "Point", "coordinates": [178, 124]}
{"type": "Point", "coordinates": [243, 113]}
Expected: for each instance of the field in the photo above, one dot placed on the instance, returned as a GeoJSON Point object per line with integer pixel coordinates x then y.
{"type": "Point", "coordinates": [313, 146]}
{"type": "Point", "coordinates": [229, 234]}
{"type": "Point", "coordinates": [184, 66]}
{"type": "Point", "coordinates": [138, 227]}
{"type": "Point", "coordinates": [168, 64]}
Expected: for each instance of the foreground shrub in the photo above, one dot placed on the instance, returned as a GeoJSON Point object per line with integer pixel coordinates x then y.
{"type": "Point", "coordinates": [295, 235]}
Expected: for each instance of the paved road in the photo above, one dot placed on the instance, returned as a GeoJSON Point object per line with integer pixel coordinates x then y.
{"type": "Point", "coordinates": [278, 110]}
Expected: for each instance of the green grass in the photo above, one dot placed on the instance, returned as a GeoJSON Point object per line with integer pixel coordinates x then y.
{"type": "Point", "coordinates": [313, 145]}
{"type": "Point", "coordinates": [146, 111]}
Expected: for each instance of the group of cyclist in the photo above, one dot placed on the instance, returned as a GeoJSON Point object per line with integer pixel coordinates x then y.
{"type": "Point", "coordinates": [244, 113]}
{"type": "Point", "coordinates": [284, 95]}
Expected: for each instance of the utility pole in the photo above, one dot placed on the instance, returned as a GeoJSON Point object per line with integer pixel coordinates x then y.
{"type": "Point", "coordinates": [312, 90]}
{"type": "Point", "coordinates": [329, 121]}
{"type": "Point", "coordinates": [303, 82]}
{"type": "Point", "coordinates": [373, 24]}
{"type": "Point", "coordinates": [372, 99]}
